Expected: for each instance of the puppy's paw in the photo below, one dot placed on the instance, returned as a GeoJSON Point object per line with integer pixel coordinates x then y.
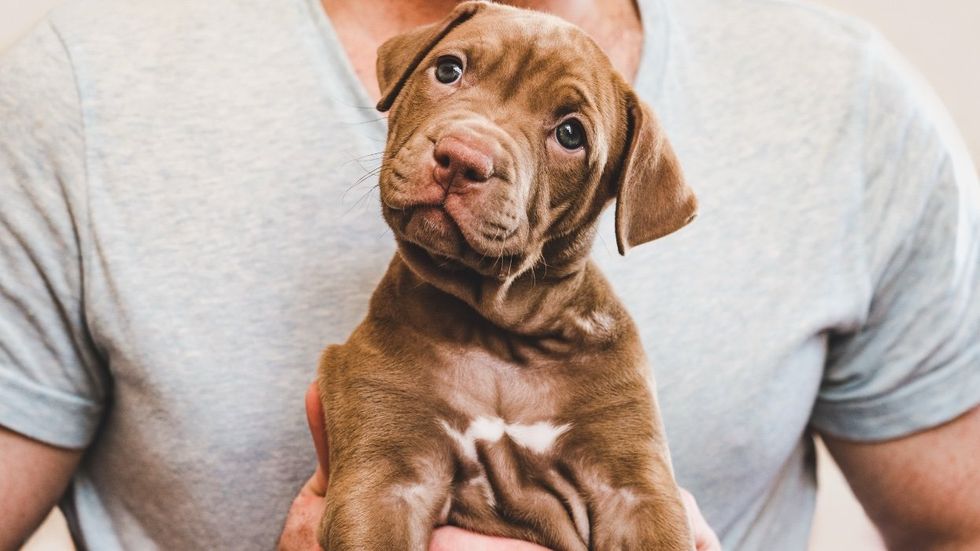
{"type": "Point", "coordinates": [351, 526]}
{"type": "Point", "coordinates": [372, 523]}
{"type": "Point", "coordinates": [650, 525]}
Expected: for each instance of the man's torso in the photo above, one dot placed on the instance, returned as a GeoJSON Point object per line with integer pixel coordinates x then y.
{"type": "Point", "coordinates": [231, 230]}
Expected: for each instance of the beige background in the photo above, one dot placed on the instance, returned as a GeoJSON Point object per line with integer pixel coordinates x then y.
{"type": "Point", "coordinates": [938, 37]}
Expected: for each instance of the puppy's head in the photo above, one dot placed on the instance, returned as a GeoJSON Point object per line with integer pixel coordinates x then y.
{"type": "Point", "coordinates": [509, 132]}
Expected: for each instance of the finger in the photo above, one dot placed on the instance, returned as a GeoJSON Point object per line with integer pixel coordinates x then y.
{"type": "Point", "coordinates": [451, 538]}
{"type": "Point", "coordinates": [299, 529]}
{"type": "Point", "coordinates": [704, 537]}
{"type": "Point", "coordinates": [314, 418]}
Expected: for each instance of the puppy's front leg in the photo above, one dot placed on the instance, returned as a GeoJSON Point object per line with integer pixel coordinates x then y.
{"type": "Point", "coordinates": [621, 463]}
{"type": "Point", "coordinates": [390, 462]}
{"type": "Point", "coordinates": [369, 507]}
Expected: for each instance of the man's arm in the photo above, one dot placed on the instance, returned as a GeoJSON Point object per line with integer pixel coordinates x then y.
{"type": "Point", "coordinates": [923, 490]}
{"type": "Point", "coordinates": [52, 382]}
{"type": "Point", "coordinates": [32, 478]}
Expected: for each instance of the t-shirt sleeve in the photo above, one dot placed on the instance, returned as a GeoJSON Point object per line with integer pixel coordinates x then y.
{"type": "Point", "coordinates": [915, 361]}
{"type": "Point", "coordinates": [52, 384]}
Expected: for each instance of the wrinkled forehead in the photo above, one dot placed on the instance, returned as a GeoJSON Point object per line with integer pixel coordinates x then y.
{"type": "Point", "coordinates": [541, 59]}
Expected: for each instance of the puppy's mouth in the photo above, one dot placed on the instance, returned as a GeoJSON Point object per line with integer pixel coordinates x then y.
{"type": "Point", "coordinates": [434, 229]}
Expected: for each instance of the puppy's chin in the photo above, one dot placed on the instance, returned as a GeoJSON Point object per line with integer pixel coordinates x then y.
{"type": "Point", "coordinates": [493, 267]}
{"type": "Point", "coordinates": [430, 234]}
{"type": "Point", "coordinates": [429, 227]}
{"type": "Point", "coordinates": [467, 266]}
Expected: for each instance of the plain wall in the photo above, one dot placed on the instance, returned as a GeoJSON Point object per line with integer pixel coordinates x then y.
{"type": "Point", "coordinates": [938, 37]}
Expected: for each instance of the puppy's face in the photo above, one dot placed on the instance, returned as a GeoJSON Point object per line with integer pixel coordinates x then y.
{"type": "Point", "coordinates": [509, 132]}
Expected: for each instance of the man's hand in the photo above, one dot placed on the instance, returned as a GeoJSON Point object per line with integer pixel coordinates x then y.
{"type": "Point", "coordinates": [303, 519]}
{"type": "Point", "coordinates": [704, 537]}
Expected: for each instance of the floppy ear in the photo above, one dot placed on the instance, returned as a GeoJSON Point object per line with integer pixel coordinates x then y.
{"type": "Point", "coordinates": [400, 55]}
{"type": "Point", "coordinates": [652, 199]}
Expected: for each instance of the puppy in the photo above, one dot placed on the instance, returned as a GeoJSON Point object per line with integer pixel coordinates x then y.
{"type": "Point", "coordinates": [497, 384]}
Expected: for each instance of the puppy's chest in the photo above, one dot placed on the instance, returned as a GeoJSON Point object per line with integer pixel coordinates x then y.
{"type": "Point", "coordinates": [506, 424]}
{"type": "Point", "coordinates": [487, 398]}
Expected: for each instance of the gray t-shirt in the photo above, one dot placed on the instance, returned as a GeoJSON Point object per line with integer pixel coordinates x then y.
{"type": "Point", "coordinates": [187, 216]}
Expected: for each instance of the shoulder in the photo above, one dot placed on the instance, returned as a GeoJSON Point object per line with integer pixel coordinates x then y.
{"type": "Point", "coordinates": [41, 129]}
{"type": "Point", "coordinates": [766, 23]}
{"type": "Point", "coordinates": [35, 71]}
{"type": "Point", "coordinates": [109, 21]}
{"type": "Point", "coordinates": [776, 44]}
{"type": "Point", "coordinates": [789, 65]}
{"type": "Point", "coordinates": [147, 37]}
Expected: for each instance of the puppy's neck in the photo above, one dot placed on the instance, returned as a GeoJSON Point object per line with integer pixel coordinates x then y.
{"type": "Point", "coordinates": [575, 304]}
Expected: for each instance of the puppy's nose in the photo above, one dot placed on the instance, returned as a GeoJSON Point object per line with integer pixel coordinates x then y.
{"type": "Point", "coordinates": [461, 161]}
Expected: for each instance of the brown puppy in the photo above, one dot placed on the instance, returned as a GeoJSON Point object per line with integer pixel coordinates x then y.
{"type": "Point", "coordinates": [497, 384]}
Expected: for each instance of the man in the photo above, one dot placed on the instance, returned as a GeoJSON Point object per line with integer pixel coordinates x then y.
{"type": "Point", "coordinates": [187, 219]}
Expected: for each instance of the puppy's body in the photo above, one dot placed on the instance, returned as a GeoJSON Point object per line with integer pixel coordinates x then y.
{"type": "Point", "coordinates": [497, 383]}
{"type": "Point", "coordinates": [449, 419]}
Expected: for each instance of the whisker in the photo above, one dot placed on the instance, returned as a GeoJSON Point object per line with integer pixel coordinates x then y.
{"type": "Point", "coordinates": [359, 158]}
{"type": "Point", "coordinates": [370, 121]}
{"type": "Point", "coordinates": [368, 175]}
{"type": "Point", "coordinates": [365, 195]}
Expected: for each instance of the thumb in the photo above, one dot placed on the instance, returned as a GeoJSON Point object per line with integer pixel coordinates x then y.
{"type": "Point", "coordinates": [705, 538]}
{"type": "Point", "coordinates": [314, 417]}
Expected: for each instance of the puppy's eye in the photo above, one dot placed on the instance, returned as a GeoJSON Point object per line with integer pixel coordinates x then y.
{"type": "Point", "coordinates": [570, 134]}
{"type": "Point", "coordinates": [449, 69]}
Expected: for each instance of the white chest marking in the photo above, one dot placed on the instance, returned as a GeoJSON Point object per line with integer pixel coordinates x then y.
{"type": "Point", "coordinates": [538, 437]}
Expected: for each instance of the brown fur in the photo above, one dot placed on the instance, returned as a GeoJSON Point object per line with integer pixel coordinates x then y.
{"type": "Point", "coordinates": [492, 308]}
